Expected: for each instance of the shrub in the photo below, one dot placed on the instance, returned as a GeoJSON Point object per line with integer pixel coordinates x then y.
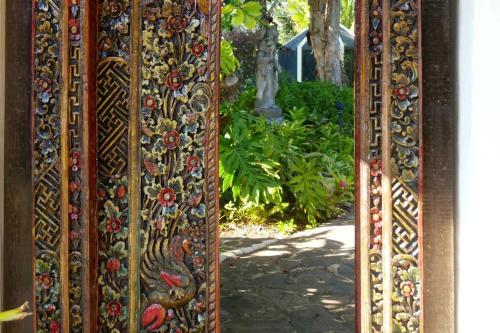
{"type": "Point", "coordinates": [319, 100]}
{"type": "Point", "coordinates": [298, 171]}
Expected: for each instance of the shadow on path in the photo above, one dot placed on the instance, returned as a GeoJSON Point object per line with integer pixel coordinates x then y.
{"type": "Point", "coordinates": [299, 284]}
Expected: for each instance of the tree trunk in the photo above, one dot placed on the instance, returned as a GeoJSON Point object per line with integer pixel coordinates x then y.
{"type": "Point", "coordinates": [324, 32]}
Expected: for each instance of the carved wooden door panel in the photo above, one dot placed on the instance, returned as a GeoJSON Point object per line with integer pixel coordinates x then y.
{"type": "Point", "coordinates": [389, 166]}
{"type": "Point", "coordinates": [125, 165]}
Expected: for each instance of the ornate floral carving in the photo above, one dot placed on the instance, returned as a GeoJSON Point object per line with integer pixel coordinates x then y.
{"type": "Point", "coordinates": [406, 295]}
{"type": "Point", "coordinates": [113, 253]}
{"type": "Point", "coordinates": [176, 98]}
{"type": "Point", "coordinates": [113, 164]}
{"type": "Point", "coordinates": [376, 273]}
{"type": "Point", "coordinates": [114, 32]}
{"type": "Point", "coordinates": [405, 164]}
{"type": "Point", "coordinates": [405, 99]}
{"type": "Point", "coordinates": [47, 193]}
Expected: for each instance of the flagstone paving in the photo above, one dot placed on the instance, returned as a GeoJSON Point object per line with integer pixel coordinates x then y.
{"type": "Point", "coordinates": [302, 284]}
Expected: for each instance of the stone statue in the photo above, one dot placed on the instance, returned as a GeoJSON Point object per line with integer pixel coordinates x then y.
{"type": "Point", "coordinates": [267, 74]}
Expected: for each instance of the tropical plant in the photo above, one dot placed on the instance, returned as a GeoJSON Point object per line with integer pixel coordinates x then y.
{"type": "Point", "coordinates": [299, 13]}
{"type": "Point", "coordinates": [236, 13]}
{"type": "Point", "coordinates": [244, 168]}
{"type": "Point", "coordinates": [297, 172]}
{"type": "Point", "coordinates": [347, 13]}
{"type": "Point", "coordinates": [240, 13]}
{"type": "Point", "coordinates": [15, 314]}
{"type": "Point", "coordinates": [228, 62]}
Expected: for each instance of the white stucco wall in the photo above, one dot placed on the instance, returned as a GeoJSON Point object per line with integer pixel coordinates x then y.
{"type": "Point", "coordinates": [478, 240]}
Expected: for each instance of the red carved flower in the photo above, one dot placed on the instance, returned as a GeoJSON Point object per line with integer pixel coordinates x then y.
{"type": "Point", "coordinates": [101, 193]}
{"type": "Point", "coordinates": [121, 191]}
{"type": "Point", "coordinates": [197, 49]}
{"type": "Point", "coordinates": [405, 90]}
{"type": "Point", "coordinates": [149, 102]}
{"type": "Point", "coordinates": [106, 44]}
{"type": "Point", "coordinates": [44, 85]}
{"type": "Point", "coordinates": [74, 29]}
{"type": "Point", "coordinates": [193, 163]}
{"type": "Point", "coordinates": [171, 139]}
{"type": "Point", "coordinates": [174, 80]}
{"type": "Point", "coordinates": [114, 308]}
{"type": "Point", "coordinates": [114, 8]}
{"type": "Point", "coordinates": [376, 168]}
{"type": "Point", "coordinates": [151, 14]}
{"type": "Point", "coordinates": [113, 225]}
{"type": "Point", "coordinates": [167, 197]}
{"type": "Point", "coordinates": [50, 308]}
{"type": "Point", "coordinates": [55, 327]}
{"type": "Point", "coordinates": [407, 289]}
{"type": "Point", "coordinates": [113, 265]}
{"type": "Point", "coordinates": [75, 186]}
{"type": "Point", "coordinates": [402, 92]}
{"type": "Point", "coordinates": [45, 281]}
{"type": "Point", "coordinates": [74, 235]}
{"type": "Point", "coordinates": [176, 23]}
{"type": "Point", "coordinates": [342, 184]}
{"type": "Point", "coordinates": [74, 161]}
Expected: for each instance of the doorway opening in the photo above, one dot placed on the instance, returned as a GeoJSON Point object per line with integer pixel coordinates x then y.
{"type": "Point", "coordinates": [287, 166]}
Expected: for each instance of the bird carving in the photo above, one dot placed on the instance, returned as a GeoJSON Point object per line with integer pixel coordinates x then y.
{"type": "Point", "coordinates": [165, 276]}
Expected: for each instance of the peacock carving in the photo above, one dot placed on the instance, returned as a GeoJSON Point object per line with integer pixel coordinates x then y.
{"type": "Point", "coordinates": [166, 279]}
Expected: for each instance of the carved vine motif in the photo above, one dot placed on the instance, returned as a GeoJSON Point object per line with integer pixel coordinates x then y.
{"type": "Point", "coordinates": [375, 46]}
{"type": "Point", "coordinates": [405, 164]}
{"type": "Point", "coordinates": [112, 193]}
{"type": "Point", "coordinates": [113, 123]}
{"type": "Point", "coordinates": [113, 254]}
{"type": "Point", "coordinates": [406, 295]}
{"type": "Point", "coordinates": [376, 273]}
{"type": "Point", "coordinates": [405, 90]}
{"type": "Point", "coordinates": [47, 195]}
{"type": "Point", "coordinates": [75, 205]}
{"type": "Point", "coordinates": [114, 29]}
{"type": "Point", "coordinates": [175, 100]}
{"type": "Point", "coordinates": [376, 243]}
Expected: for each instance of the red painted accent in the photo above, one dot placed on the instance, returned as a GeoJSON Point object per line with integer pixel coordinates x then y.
{"type": "Point", "coordinates": [170, 279]}
{"type": "Point", "coordinates": [153, 317]}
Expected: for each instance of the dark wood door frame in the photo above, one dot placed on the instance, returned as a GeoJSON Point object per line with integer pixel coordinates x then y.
{"type": "Point", "coordinates": [438, 90]}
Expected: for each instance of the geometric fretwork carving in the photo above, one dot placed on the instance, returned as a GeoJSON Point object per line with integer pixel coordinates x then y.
{"type": "Point", "coordinates": [112, 111]}
{"type": "Point", "coordinates": [405, 219]}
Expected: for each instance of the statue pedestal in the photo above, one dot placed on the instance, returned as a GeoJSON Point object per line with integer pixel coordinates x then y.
{"type": "Point", "coordinates": [273, 114]}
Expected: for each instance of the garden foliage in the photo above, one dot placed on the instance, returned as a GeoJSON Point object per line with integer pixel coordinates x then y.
{"type": "Point", "coordinates": [298, 172]}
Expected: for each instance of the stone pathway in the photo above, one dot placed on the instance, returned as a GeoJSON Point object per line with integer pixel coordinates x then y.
{"type": "Point", "coordinates": [303, 284]}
